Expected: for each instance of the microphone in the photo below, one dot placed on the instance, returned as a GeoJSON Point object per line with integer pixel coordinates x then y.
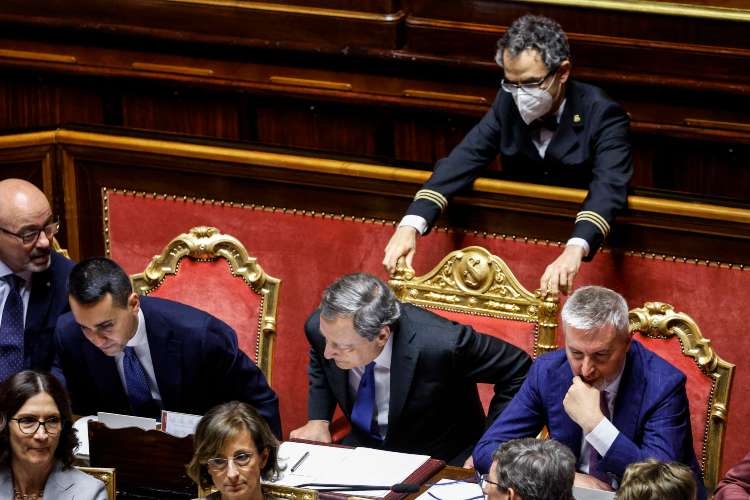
{"type": "Point", "coordinates": [396, 488]}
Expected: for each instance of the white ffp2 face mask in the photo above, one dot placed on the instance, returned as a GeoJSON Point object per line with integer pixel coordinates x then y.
{"type": "Point", "coordinates": [532, 104]}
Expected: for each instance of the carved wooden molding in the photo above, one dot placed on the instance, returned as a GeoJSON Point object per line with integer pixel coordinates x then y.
{"type": "Point", "coordinates": [207, 243]}
{"type": "Point", "coordinates": [474, 281]}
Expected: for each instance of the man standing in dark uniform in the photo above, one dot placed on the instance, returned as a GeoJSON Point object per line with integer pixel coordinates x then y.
{"type": "Point", "coordinates": [547, 129]}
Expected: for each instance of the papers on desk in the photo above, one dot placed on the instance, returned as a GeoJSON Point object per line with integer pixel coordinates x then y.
{"type": "Point", "coordinates": [450, 489]}
{"type": "Point", "coordinates": [332, 464]}
{"type": "Point", "coordinates": [179, 424]}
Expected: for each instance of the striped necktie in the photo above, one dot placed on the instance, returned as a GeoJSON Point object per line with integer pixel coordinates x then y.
{"type": "Point", "coordinates": [11, 329]}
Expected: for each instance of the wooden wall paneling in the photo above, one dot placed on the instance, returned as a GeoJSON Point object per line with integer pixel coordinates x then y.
{"type": "Point", "coordinates": [211, 173]}
{"type": "Point", "coordinates": [324, 126]}
{"type": "Point", "coordinates": [30, 101]}
{"type": "Point", "coordinates": [378, 6]}
{"type": "Point", "coordinates": [184, 111]}
{"type": "Point", "coordinates": [236, 23]}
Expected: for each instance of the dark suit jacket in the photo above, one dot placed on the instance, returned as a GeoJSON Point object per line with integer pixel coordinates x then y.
{"type": "Point", "coordinates": [196, 359]}
{"type": "Point", "coordinates": [591, 149]}
{"type": "Point", "coordinates": [47, 302]}
{"type": "Point", "coordinates": [434, 405]}
{"type": "Point", "coordinates": [651, 413]}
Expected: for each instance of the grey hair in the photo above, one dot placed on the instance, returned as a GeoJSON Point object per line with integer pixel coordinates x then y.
{"type": "Point", "coordinates": [366, 299]}
{"type": "Point", "coordinates": [594, 307]}
{"type": "Point", "coordinates": [536, 469]}
{"type": "Point", "coordinates": [540, 33]}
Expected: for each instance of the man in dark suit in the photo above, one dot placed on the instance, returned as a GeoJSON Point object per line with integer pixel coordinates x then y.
{"type": "Point", "coordinates": [136, 355]}
{"type": "Point", "coordinates": [547, 129]}
{"type": "Point", "coordinates": [404, 377]}
{"type": "Point", "coordinates": [33, 278]}
{"type": "Point", "coordinates": [609, 399]}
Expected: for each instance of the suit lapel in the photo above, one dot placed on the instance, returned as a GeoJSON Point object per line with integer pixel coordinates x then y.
{"type": "Point", "coordinates": [630, 394]}
{"type": "Point", "coordinates": [166, 354]}
{"type": "Point", "coordinates": [103, 372]}
{"type": "Point", "coordinates": [403, 363]}
{"type": "Point", "coordinates": [40, 300]}
{"type": "Point", "coordinates": [565, 139]}
{"type": "Point", "coordinates": [58, 483]}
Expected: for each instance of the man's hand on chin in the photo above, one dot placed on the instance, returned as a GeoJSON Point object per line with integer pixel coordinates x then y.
{"type": "Point", "coordinates": [590, 482]}
{"type": "Point", "coordinates": [581, 403]}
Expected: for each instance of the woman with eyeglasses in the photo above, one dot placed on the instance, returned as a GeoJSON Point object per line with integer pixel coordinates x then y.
{"type": "Point", "coordinates": [37, 441]}
{"type": "Point", "coordinates": [233, 448]}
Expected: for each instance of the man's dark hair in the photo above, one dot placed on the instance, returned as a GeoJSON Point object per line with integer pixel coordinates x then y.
{"type": "Point", "coordinates": [91, 279]}
{"type": "Point", "coordinates": [536, 469]}
{"type": "Point", "coordinates": [538, 33]}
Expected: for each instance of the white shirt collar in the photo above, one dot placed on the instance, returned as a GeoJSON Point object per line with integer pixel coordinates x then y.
{"type": "Point", "coordinates": [384, 358]}
{"type": "Point", "coordinates": [560, 110]}
{"type": "Point", "coordinates": [140, 336]}
{"type": "Point", "coordinates": [5, 270]}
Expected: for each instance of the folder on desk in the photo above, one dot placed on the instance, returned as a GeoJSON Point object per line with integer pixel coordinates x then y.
{"type": "Point", "coordinates": [343, 465]}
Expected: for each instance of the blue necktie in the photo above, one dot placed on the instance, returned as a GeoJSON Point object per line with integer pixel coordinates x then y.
{"type": "Point", "coordinates": [364, 404]}
{"type": "Point", "coordinates": [11, 329]}
{"type": "Point", "coordinates": [139, 393]}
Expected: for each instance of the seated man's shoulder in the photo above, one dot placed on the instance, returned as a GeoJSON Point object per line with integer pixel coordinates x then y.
{"type": "Point", "coordinates": [186, 319]}
{"type": "Point", "coordinates": [657, 368]}
{"type": "Point", "coordinates": [83, 482]}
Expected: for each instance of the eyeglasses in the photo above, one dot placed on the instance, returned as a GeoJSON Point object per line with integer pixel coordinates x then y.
{"type": "Point", "coordinates": [31, 236]}
{"type": "Point", "coordinates": [30, 425]}
{"type": "Point", "coordinates": [239, 460]}
{"type": "Point", "coordinates": [484, 479]}
{"type": "Point", "coordinates": [513, 87]}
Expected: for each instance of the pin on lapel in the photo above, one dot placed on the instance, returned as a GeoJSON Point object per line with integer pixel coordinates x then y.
{"type": "Point", "coordinates": [49, 284]}
{"type": "Point", "coordinates": [577, 118]}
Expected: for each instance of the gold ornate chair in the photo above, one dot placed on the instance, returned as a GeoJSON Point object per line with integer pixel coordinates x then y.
{"type": "Point", "coordinates": [677, 338]}
{"type": "Point", "coordinates": [473, 286]}
{"type": "Point", "coordinates": [215, 273]}
{"type": "Point", "coordinates": [106, 475]}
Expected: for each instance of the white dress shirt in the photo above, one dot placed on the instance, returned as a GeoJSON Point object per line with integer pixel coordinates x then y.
{"type": "Point", "coordinates": [541, 142]}
{"type": "Point", "coordinates": [5, 288]}
{"type": "Point", "coordinates": [604, 434]}
{"type": "Point", "coordinates": [382, 384]}
{"type": "Point", "coordinates": [139, 342]}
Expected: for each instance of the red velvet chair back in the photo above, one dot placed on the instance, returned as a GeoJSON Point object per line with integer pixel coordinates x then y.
{"type": "Point", "coordinates": [676, 338]}
{"type": "Point", "coordinates": [213, 272]}
{"type": "Point", "coordinates": [474, 287]}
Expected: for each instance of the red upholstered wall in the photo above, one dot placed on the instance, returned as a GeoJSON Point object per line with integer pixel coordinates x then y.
{"type": "Point", "coordinates": [307, 251]}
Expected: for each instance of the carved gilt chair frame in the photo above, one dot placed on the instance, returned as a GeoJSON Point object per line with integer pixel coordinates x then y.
{"type": "Point", "coordinates": [275, 491]}
{"type": "Point", "coordinates": [105, 475]}
{"type": "Point", "coordinates": [474, 281]}
{"type": "Point", "coordinates": [208, 244]}
{"type": "Point", "coordinates": [659, 320]}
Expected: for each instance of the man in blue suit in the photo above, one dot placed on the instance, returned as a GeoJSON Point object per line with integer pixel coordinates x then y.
{"type": "Point", "coordinates": [607, 398]}
{"type": "Point", "coordinates": [136, 355]}
{"type": "Point", "coordinates": [33, 278]}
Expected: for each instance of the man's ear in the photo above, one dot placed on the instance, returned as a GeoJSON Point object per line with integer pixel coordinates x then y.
{"type": "Point", "coordinates": [564, 71]}
{"type": "Point", "coordinates": [383, 336]}
{"type": "Point", "coordinates": [134, 302]}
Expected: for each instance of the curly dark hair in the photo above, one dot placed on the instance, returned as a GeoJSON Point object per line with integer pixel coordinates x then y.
{"type": "Point", "coordinates": [14, 393]}
{"type": "Point", "coordinates": [223, 422]}
{"type": "Point", "coordinates": [535, 32]}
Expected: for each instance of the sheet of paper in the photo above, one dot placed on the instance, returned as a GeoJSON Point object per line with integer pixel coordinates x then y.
{"type": "Point", "coordinates": [334, 465]}
{"type": "Point", "coordinates": [581, 493]}
{"type": "Point", "coordinates": [82, 426]}
{"type": "Point", "coordinates": [449, 489]}
{"type": "Point", "coordinates": [116, 421]}
{"type": "Point", "coordinates": [179, 424]}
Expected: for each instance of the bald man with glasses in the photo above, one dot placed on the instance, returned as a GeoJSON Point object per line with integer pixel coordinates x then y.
{"type": "Point", "coordinates": [547, 129]}
{"type": "Point", "coordinates": [33, 278]}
